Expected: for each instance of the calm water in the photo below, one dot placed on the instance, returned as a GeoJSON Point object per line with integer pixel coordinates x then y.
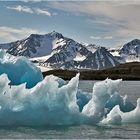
{"type": "Point", "coordinates": [131, 88]}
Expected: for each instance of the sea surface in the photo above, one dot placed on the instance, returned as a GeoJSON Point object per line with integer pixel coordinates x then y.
{"type": "Point", "coordinates": [131, 131]}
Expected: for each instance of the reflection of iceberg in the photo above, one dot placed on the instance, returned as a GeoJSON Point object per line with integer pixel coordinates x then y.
{"type": "Point", "coordinates": [53, 101]}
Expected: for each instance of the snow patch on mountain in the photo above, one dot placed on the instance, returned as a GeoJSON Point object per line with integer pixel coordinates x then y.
{"type": "Point", "coordinates": [79, 57]}
{"type": "Point", "coordinates": [92, 47]}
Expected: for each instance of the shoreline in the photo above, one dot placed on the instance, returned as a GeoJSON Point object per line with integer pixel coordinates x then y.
{"type": "Point", "coordinates": [127, 71]}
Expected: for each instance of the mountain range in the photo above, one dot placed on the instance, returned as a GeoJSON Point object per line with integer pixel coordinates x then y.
{"type": "Point", "coordinates": [56, 51]}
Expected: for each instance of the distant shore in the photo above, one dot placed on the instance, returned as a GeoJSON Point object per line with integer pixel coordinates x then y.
{"type": "Point", "coordinates": [127, 71]}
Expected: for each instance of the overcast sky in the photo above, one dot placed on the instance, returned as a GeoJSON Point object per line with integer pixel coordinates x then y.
{"type": "Point", "coordinates": [99, 22]}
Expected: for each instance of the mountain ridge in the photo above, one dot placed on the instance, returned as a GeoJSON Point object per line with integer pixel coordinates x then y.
{"type": "Point", "coordinates": [55, 50]}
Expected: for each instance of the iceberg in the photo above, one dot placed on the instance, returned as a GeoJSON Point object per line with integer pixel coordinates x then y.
{"type": "Point", "coordinates": [124, 117]}
{"type": "Point", "coordinates": [94, 110]}
{"type": "Point", "coordinates": [31, 100]}
{"type": "Point", "coordinates": [45, 103]}
{"type": "Point", "coordinates": [19, 70]}
{"type": "Point", "coordinates": [53, 102]}
{"type": "Point", "coordinates": [113, 117]}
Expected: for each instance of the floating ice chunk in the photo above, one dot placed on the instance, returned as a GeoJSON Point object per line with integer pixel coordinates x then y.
{"type": "Point", "coordinates": [101, 94]}
{"type": "Point", "coordinates": [113, 117]}
{"type": "Point", "coordinates": [53, 101]}
{"type": "Point", "coordinates": [45, 103]}
{"type": "Point", "coordinates": [116, 115]}
{"type": "Point", "coordinates": [19, 70]}
{"type": "Point", "coordinates": [132, 116]}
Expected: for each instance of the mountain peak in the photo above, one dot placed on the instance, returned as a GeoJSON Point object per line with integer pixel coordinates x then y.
{"type": "Point", "coordinates": [34, 35]}
{"type": "Point", "coordinates": [100, 48]}
{"type": "Point", "coordinates": [55, 34]}
{"type": "Point", "coordinates": [133, 42]}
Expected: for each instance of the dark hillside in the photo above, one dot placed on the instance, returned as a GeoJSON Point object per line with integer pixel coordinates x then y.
{"type": "Point", "coordinates": [127, 71]}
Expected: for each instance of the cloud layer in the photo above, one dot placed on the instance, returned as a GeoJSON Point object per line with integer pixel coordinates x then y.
{"type": "Point", "coordinates": [101, 37]}
{"type": "Point", "coordinates": [42, 12]}
{"type": "Point", "coordinates": [121, 18]}
{"type": "Point", "coordinates": [26, 9]}
{"type": "Point", "coordinates": [101, 21]}
{"type": "Point", "coordinates": [11, 33]}
{"type": "Point", "coordinates": [20, 8]}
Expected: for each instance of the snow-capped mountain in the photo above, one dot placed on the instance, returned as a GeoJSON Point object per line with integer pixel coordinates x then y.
{"type": "Point", "coordinates": [71, 51]}
{"type": "Point", "coordinates": [131, 48]}
{"type": "Point", "coordinates": [129, 52]}
{"type": "Point", "coordinates": [100, 59]}
{"type": "Point", "coordinates": [35, 45]}
{"type": "Point", "coordinates": [55, 50]}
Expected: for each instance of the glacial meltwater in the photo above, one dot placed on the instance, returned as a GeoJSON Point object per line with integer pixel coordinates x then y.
{"type": "Point", "coordinates": [81, 131]}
